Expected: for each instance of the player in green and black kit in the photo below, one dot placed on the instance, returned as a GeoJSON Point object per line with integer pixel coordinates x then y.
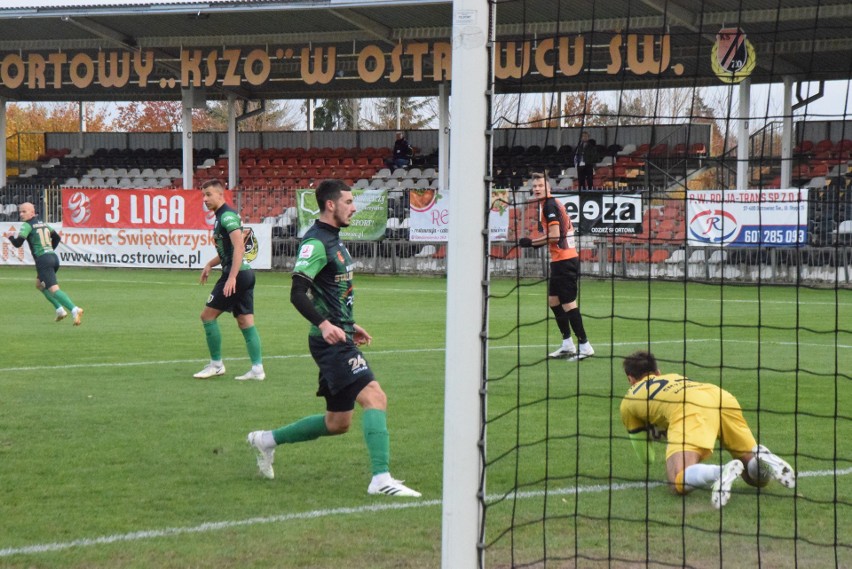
{"type": "Point", "coordinates": [233, 292]}
{"type": "Point", "coordinates": [322, 293]}
{"type": "Point", "coordinates": [42, 240]}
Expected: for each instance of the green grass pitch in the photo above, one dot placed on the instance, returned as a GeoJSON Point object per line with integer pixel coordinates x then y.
{"type": "Point", "coordinates": [112, 455]}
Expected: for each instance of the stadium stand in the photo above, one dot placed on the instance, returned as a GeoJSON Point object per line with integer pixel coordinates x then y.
{"type": "Point", "coordinates": [269, 177]}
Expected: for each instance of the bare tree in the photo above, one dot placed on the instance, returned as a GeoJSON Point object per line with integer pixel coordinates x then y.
{"type": "Point", "coordinates": [278, 115]}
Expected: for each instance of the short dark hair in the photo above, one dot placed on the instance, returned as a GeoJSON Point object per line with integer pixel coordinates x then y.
{"type": "Point", "coordinates": [639, 364]}
{"type": "Point", "coordinates": [330, 190]}
{"type": "Point", "coordinates": [212, 182]}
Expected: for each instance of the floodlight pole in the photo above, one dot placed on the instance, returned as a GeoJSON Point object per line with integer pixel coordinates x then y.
{"type": "Point", "coordinates": [3, 130]}
{"type": "Point", "coordinates": [466, 277]}
{"type": "Point", "coordinates": [443, 136]}
{"type": "Point", "coordinates": [743, 142]}
{"type": "Point", "coordinates": [787, 135]}
{"type": "Point", "coordinates": [82, 120]}
{"type": "Point", "coordinates": [186, 138]}
{"type": "Point", "coordinates": [233, 153]}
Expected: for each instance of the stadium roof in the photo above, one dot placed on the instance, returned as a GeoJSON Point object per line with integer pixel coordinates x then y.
{"type": "Point", "coordinates": [50, 50]}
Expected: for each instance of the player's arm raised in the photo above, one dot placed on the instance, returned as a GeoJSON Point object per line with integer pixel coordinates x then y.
{"type": "Point", "coordinates": [16, 239]}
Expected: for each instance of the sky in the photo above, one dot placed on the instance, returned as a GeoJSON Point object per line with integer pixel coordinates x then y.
{"type": "Point", "coordinates": [835, 103]}
{"type": "Point", "coordinates": [766, 100]}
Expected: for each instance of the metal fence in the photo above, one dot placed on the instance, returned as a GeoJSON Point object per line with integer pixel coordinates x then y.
{"type": "Point", "coordinates": [812, 266]}
{"type": "Point", "coordinates": [827, 265]}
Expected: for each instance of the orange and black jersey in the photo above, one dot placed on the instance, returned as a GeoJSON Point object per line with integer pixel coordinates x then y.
{"type": "Point", "coordinates": [552, 212]}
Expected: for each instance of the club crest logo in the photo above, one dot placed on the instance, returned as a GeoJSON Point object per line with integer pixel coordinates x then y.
{"type": "Point", "coordinates": [732, 57]}
{"type": "Point", "coordinates": [80, 207]}
{"type": "Point", "coordinates": [251, 245]}
{"type": "Point", "coordinates": [307, 203]}
{"type": "Point", "coordinates": [713, 226]}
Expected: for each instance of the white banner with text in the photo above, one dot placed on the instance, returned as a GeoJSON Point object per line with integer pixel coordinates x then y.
{"type": "Point", "coordinates": [747, 218]}
{"type": "Point", "coordinates": [430, 215]}
{"type": "Point", "coordinates": [144, 248]}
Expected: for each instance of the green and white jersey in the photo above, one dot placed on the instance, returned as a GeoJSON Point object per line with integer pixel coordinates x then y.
{"type": "Point", "coordinates": [324, 259]}
{"type": "Point", "coordinates": [227, 220]}
{"type": "Point", "coordinates": [39, 236]}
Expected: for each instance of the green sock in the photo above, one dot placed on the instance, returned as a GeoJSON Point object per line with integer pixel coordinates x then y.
{"type": "Point", "coordinates": [253, 344]}
{"type": "Point", "coordinates": [375, 425]}
{"type": "Point", "coordinates": [63, 299]}
{"type": "Point", "coordinates": [305, 429]}
{"type": "Point", "coordinates": [214, 339]}
{"type": "Point", "coordinates": [51, 299]}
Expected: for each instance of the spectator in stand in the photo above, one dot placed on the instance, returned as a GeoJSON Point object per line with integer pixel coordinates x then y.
{"type": "Point", "coordinates": [402, 152]}
{"type": "Point", "coordinates": [585, 158]}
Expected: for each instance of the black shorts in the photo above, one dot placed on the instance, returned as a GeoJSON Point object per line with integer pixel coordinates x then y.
{"type": "Point", "coordinates": [344, 372]}
{"type": "Point", "coordinates": [241, 302]}
{"type": "Point", "coordinates": [46, 267]}
{"type": "Point", "coordinates": [564, 276]}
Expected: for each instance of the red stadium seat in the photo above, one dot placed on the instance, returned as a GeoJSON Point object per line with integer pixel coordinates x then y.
{"type": "Point", "coordinates": [823, 146]}
{"type": "Point", "coordinates": [641, 151]}
{"type": "Point", "coordinates": [588, 255]}
{"type": "Point", "coordinates": [804, 147]}
{"type": "Point", "coordinates": [698, 150]}
{"type": "Point", "coordinates": [659, 151]}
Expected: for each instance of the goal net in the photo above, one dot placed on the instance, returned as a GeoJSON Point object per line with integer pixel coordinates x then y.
{"type": "Point", "coordinates": [712, 214]}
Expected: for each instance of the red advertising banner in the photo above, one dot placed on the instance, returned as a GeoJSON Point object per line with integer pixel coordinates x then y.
{"type": "Point", "coordinates": [136, 209]}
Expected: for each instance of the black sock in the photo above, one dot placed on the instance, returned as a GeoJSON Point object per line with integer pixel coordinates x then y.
{"type": "Point", "coordinates": [562, 321]}
{"type": "Point", "coordinates": [576, 320]}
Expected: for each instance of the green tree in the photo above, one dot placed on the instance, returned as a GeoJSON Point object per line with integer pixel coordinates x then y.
{"type": "Point", "coordinates": [336, 114]}
{"type": "Point", "coordinates": [415, 113]}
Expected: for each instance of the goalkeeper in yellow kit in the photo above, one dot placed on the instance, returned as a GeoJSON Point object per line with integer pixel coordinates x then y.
{"type": "Point", "coordinates": [692, 416]}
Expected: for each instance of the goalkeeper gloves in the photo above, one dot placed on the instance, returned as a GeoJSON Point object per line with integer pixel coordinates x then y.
{"type": "Point", "coordinates": [525, 242]}
{"type": "Point", "coordinates": [642, 447]}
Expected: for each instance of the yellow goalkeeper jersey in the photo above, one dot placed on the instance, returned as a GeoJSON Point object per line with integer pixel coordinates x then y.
{"type": "Point", "coordinates": [692, 414]}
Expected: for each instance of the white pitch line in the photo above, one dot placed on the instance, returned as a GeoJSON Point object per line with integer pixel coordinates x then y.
{"type": "Point", "coordinates": [314, 514]}
{"type": "Point", "coordinates": [386, 352]}
{"type": "Point", "coordinates": [442, 291]}
{"type": "Point", "coordinates": [172, 362]}
{"type": "Point", "coordinates": [195, 283]}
